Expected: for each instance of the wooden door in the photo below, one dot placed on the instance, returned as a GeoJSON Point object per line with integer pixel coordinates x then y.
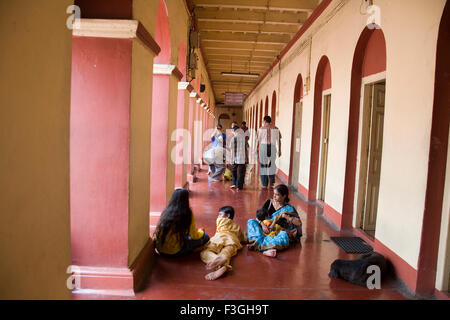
{"type": "Point", "coordinates": [296, 144]}
{"type": "Point", "coordinates": [324, 146]}
{"type": "Point", "coordinates": [374, 157]}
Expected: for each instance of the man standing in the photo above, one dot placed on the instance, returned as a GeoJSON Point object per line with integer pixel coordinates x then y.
{"type": "Point", "coordinates": [268, 136]}
{"type": "Point", "coordinates": [238, 158]}
{"type": "Point", "coordinates": [218, 141]}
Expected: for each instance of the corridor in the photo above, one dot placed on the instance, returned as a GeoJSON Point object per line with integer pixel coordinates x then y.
{"type": "Point", "coordinates": [108, 106]}
{"type": "Point", "coordinates": [299, 273]}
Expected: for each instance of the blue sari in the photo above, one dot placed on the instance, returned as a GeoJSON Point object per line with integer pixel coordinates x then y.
{"type": "Point", "coordinates": [262, 242]}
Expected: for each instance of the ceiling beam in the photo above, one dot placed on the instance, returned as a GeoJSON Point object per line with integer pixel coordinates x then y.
{"type": "Point", "coordinates": [263, 38]}
{"type": "Point", "coordinates": [248, 27]}
{"type": "Point", "coordinates": [247, 16]}
{"type": "Point", "coordinates": [239, 52]}
{"type": "Point", "coordinates": [276, 5]}
{"type": "Point", "coordinates": [247, 46]}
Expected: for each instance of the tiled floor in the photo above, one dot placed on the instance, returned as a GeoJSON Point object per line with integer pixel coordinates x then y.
{"type": "Point", "coordinates": [301, 272]}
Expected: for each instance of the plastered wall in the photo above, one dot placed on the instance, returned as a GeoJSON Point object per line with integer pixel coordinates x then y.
{"type": "Point", "coordinates": [35, 65]}
{"type": "Point", "coordinates": [410, 29]}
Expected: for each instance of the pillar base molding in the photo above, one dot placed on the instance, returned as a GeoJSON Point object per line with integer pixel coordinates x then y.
{"type": "Point", "coordinates": [116, 281]}
{"type": "Point", "coordinates": [103, 281]}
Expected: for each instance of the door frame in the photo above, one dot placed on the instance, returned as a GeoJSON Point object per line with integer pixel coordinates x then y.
{"type": "Point", "coordinates": [325, 93]}
{"type": "Point", "coordinates": [298, 106]}
{"type": "Point", "coordinates": [362, 157]}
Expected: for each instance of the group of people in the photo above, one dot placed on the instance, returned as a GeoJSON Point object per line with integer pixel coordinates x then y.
{"type": "Point", "coordinates": [276, 225]}
{"type": "Point", "coordinates": [235, 153]}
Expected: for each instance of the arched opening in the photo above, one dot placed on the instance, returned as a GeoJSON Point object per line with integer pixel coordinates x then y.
{"type": "Point", "coordinates": [266, 109]}
{"type": "Point", "coordinates": [438, 159]}
{"type": "Point", "coordinates": [319, 142]}
{"type": "Point", "coordinates": [160, 115]}
{"type": "Point", "coordinates": [225, 121]}
{"type": "Point", "coordinates": [369, 59]}
{"type": "Point", "coordinates": [181, 140]}
{"type": "Point", "coordinates": [261, 113]}
{"type": "Point", "coordinates": [274, 107]}
{"type": "Point", "coordinates": [294, 164]}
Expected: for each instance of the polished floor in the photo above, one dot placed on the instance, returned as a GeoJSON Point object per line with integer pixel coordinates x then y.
{"type": "Point", "coordinates": [301, 272]}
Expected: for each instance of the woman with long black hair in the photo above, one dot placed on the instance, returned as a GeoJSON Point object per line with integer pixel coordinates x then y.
{"type": "Point", "coordinates": [176, 234]}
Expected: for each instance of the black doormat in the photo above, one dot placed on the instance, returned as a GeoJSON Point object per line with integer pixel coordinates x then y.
{"type": "Point", "coordinates": [352, 244]}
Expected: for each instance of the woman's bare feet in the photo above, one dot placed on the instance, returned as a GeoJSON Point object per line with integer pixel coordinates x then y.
{"type": "Point", "coordinates": [270, 253]}
{"type": "Point", "coordinates": [216, 274]}
{"type": "Point", "coordinates": [219, 261]}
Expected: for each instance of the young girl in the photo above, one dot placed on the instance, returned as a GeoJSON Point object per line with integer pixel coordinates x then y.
{"type": "Point", "coordinates": [176, 234]}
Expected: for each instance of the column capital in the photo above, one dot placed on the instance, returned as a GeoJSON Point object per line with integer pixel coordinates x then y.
{"type": "Point", "coordinates": [185, 86]}
{"type": "Point", "coordinates": [115, 28]}
{"type": "Point", "coordinates": [167, 69]}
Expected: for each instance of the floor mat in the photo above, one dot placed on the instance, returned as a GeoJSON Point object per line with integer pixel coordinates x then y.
{"type": "Point", "coordinates": [352, 244]}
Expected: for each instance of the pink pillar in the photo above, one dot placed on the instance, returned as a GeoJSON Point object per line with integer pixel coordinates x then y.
{"type": "Point", "coordinates": [99, 151]}
{"type": "Point", "coordinates": [100, 166]}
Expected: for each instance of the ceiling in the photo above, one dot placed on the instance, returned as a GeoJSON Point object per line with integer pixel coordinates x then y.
{"type": "Point", "coordinates": [245, 36]}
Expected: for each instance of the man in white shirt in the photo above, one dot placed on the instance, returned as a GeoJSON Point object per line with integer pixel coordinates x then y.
{"type": "Point", "coordinates": [268, 137]}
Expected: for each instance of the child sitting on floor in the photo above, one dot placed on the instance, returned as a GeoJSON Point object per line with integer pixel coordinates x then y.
{"type": "Point", "coordinates": [272, 229]}
{"type": "Point", "coordinates": [223, 245]}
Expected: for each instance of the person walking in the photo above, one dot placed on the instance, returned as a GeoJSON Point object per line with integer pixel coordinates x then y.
{"type": "Point", "coordinates": [238, 158]}
{"type": "Point", "coordinates": [218, 141]}
{"type": "Point", "coordinates": [268, 137]}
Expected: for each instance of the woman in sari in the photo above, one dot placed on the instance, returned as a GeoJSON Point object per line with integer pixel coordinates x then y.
{"type": "Point", "coordinates": [281, 213]}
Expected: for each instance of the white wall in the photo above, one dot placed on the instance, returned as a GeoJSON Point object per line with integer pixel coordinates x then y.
{"type": "Point", "coordinates": [410, 28]}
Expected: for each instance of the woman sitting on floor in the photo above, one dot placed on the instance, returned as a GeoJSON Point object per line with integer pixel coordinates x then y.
{"type": "Point", "coordinates": [281, 213]}
{"type": "Point", "coordinates": [176, 234]}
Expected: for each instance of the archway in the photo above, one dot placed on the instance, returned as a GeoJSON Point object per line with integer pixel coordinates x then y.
{"type": "Point", "coordinates": [225, 121]}
{"type": "Point", "coordinates": [266, 109]}
{"type": "Point", "coordinates": [182, 146]}
{"type": "Point", "coordinates": [369, 58]}
{"type": "Point", "coordinates": [294, 163]}
{"type": "Point", "coordinates": [160, 114]}
{"type": "Point", "coordinates": [274, 106]}
{"type": "Point", "coordinates": [322, 83]}
{"type": "Point", "coordinates": [261, 115]}
{"type": "Point", "coordinates": [429, 245]}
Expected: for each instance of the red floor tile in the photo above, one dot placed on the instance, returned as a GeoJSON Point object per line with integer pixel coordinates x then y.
{"type": "Point", "coordinates": [301, 272]}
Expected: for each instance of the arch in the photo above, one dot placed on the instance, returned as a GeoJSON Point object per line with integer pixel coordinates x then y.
{"type": "Point", "coordinates": [181, 147]}
{"type": "Point", "coordinates": [298, 94]}
{"type": "Point", "coordinates": [261, 111]}
{"type": "Point", "coordinates": [224, 116]}
{"type": "Point", "coordinates": [274, 106]}
{"type": "Point", "coordinates": [360, 69]}
{"type": "Point", "coordinates": [429, 245]}
{"type": "Point", "coordinates": [182, 60]}
{"type": "Point", "coordinates": [322, 82]}
{"type": "Point", "coordinates": [159, 163]}
{"type": "Point", "coordinates": [162, 34]}
{"type": "Point", "coordinates": [266, 109]}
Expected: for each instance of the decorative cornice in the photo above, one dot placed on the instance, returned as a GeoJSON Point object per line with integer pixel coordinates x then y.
{"type": "Point", "coordinates": [114, 28]}
{"type": "Point", "coordinates": [167, 69]}
{"type": "Point", "coordinates": [163, 68]}
{"type": "Point", "coordinates": [185, 86]}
